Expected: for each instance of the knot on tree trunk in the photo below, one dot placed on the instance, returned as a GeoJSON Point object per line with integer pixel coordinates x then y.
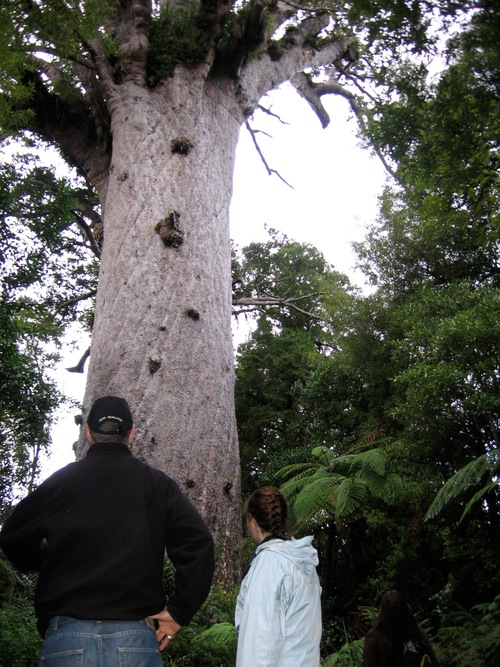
{"type": "Point", "coordinates": [169, 230]}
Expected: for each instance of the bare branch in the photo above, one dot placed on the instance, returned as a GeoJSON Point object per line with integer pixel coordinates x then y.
{"type": "Point", "coordinates": [270, 171]}
{"type": "Point", "coordinates": [256, 303]}
{"type": "Point", "coordinates": [75, 299]}
{"type": "Point", "coordinates": [80, 221]}
{"type": "Point", "coordinates": [309, 91]}
{"type": "Point", "coordinates": [312, 93]}
{"type": "Point", "coordinates": [271, 113]}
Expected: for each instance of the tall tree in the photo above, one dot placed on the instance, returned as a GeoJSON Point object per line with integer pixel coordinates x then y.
{"type": "Point", "coordinates": [434, 255]}
{"type": "Point", "coordinates": [41, 286]}
{"type": "Point", "coordinates": [146, 100]}
{"type": "Point", "coordinates": [294, 295]}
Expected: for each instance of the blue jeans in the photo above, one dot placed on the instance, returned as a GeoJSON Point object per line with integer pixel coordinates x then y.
{"type": "Point", "coordinates": [70, 642]}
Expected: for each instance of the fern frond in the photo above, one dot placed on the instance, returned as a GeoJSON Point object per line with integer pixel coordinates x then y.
{"type": "Point", "coordinates": [477, 497]}
{"type": "Point", "coordinates": [386, 488]}
{"type": "Point", "coordinates": [351, 495]}
{"type": "Point", "coordinates": [292, 470]}
{"type": "Point", "coordinates": [323, 454]}
{"type": "Point", "coordinates": [466, 477]}
{"type": "Point", "coordinates": [290, 488]}
{"type": "Point", "coordinates": [374, 459]}
{"type": "Point", "coordinates": [319, 494]}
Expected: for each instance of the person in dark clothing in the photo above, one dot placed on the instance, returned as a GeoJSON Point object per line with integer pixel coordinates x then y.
{"type": "Point", "coordinates": [396, 640]}
{"type": "Point", "coordinates": [97, 532]}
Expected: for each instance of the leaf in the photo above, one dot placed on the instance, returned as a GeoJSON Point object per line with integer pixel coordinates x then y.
{"type": "Point", "coordinates": [318, 495]}
{"type": "Point", "coordinates": [351, 496]}
{"type": "Point", "coordinates": [468, 476]}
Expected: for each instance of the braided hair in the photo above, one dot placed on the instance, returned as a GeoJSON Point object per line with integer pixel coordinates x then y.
{"type": "Point", "coordinates": [268, 507]}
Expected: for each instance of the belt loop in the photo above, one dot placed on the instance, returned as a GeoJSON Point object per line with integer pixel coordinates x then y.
{"type": "Point", "coordinates": [56, 621]}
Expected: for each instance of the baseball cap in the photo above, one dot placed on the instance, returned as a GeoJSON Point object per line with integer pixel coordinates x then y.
{"type": "Point", "coordinates": [110, 409]}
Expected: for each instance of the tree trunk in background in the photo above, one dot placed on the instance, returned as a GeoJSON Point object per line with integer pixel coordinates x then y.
{"type": "Point", "coordinates": [162, 333]}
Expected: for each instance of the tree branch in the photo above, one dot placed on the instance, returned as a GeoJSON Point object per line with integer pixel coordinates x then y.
{"type": "Point", "coordinates": [302, 47]}
{"type": "Point", "coordinates": [304, 85]}
{"type": "Point", "coordinates": [129, 25]}
{"type": "Point", "coordinates": [312, 93]}
{"type": "Point", "coordinates": [80, 221]}
{"type": "Point", "coordinates": [259, 302]}
{"type": "Point", "coordinates": [270, 171]}
{"type": "Point", "coordinates": [76, 299]}
{"type": "Point", "coordinates": [80, 366]}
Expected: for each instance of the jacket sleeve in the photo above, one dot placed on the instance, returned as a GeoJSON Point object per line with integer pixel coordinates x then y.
{"type": "Point", "coordinates": [22, 535]}
{"type": "Point", "coordinates": [261, 615]}
{"type": "Point", "coordinates": [190, 548]}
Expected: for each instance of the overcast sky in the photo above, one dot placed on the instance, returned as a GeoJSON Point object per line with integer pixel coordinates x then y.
{"type": "Point", "coordinates": [335, 185]}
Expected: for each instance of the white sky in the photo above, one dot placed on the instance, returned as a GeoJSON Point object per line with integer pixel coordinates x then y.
{"type": "Point", "coordinates": [334, 197]}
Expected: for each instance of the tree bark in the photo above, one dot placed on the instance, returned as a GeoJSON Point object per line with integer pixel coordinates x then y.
{"type": "Point", "coordinates": [162, 332]}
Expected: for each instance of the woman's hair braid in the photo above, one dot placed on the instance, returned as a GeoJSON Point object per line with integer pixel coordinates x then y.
{"type": "Point", "coordinates": [268, 507]}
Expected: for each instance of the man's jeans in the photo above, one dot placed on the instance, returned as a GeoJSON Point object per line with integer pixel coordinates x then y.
{"type": "Point", "coordinates": [73, 643]}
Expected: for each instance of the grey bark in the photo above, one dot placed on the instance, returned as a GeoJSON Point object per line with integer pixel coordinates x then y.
{"type": "Point", "coordinates": [162, 332]}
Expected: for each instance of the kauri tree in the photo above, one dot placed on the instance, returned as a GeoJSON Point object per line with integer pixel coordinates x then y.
{"type": "Point", "coordinates": [146, 100]}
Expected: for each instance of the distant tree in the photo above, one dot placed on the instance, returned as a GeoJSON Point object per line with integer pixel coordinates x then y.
{"type": "Point", "coordinates": [433, 257]}
{"type": "Point", "coordinates": [289, 290]}
{"type": "Point", "coordinates": [45, 267]}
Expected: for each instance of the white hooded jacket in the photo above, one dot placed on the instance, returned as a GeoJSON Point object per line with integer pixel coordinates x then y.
{"type": "Point", "coordinates": [278, 611]}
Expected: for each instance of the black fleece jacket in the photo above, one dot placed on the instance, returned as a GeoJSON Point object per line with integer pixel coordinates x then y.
{"type": "Point", "coordinates": [97, 531]}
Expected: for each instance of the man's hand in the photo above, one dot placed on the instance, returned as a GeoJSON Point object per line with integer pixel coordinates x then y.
{"type": "Point", "coordinates": [167, 628]}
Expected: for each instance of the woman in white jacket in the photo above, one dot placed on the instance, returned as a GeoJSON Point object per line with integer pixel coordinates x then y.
{"type": "Point", "coordinates": [278, 611]}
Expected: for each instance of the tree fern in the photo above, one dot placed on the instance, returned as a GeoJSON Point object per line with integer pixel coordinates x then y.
{"type": "Point", "coordinates": [295, 470]}
{"type": "Point", "coordinates": [373, 459]}
{"type": "Point", "coordinates": [337, 485]}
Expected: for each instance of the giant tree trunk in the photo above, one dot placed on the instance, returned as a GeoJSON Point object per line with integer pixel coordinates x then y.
{"type": "Point", "coordinates": [162, 332]}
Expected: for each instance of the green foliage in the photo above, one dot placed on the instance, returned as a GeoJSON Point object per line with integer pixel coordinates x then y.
{"type": "Point", "coordinates": [45, 254]}
{"type": "Point", "coordinates": [34, 34]}
{"type": "Point", "coordinates": [177, 35]}
{"type": "Point", "coordinates": [337, 485]}
{"type": "Point", "coordinates": [285, 284]}
{"type": "Point", "coordinates": [20, 641]}
{"type": "Point", "coordinates": [28, 397]}
{"type": "Point", "coordinates": [472, 639]}
{"type": "Point", "coordinates": [45, 267]}
{"type": "Point", "coordinates": [210, 639]}
{"type": "Point", "coordinates": [350, 654]}
{"type": "Point", "coordinates": [485, 466]}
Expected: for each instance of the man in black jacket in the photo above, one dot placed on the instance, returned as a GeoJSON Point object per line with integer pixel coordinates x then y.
{"type": "Point", "coordinates": [97, 532]}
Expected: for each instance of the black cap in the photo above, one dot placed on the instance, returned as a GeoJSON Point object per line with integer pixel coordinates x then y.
{"type": "Point", "coordinates": [110, 409]}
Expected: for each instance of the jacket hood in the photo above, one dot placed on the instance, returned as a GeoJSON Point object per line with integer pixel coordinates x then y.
{"type": "Point", "coordinates": [301, 552]}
